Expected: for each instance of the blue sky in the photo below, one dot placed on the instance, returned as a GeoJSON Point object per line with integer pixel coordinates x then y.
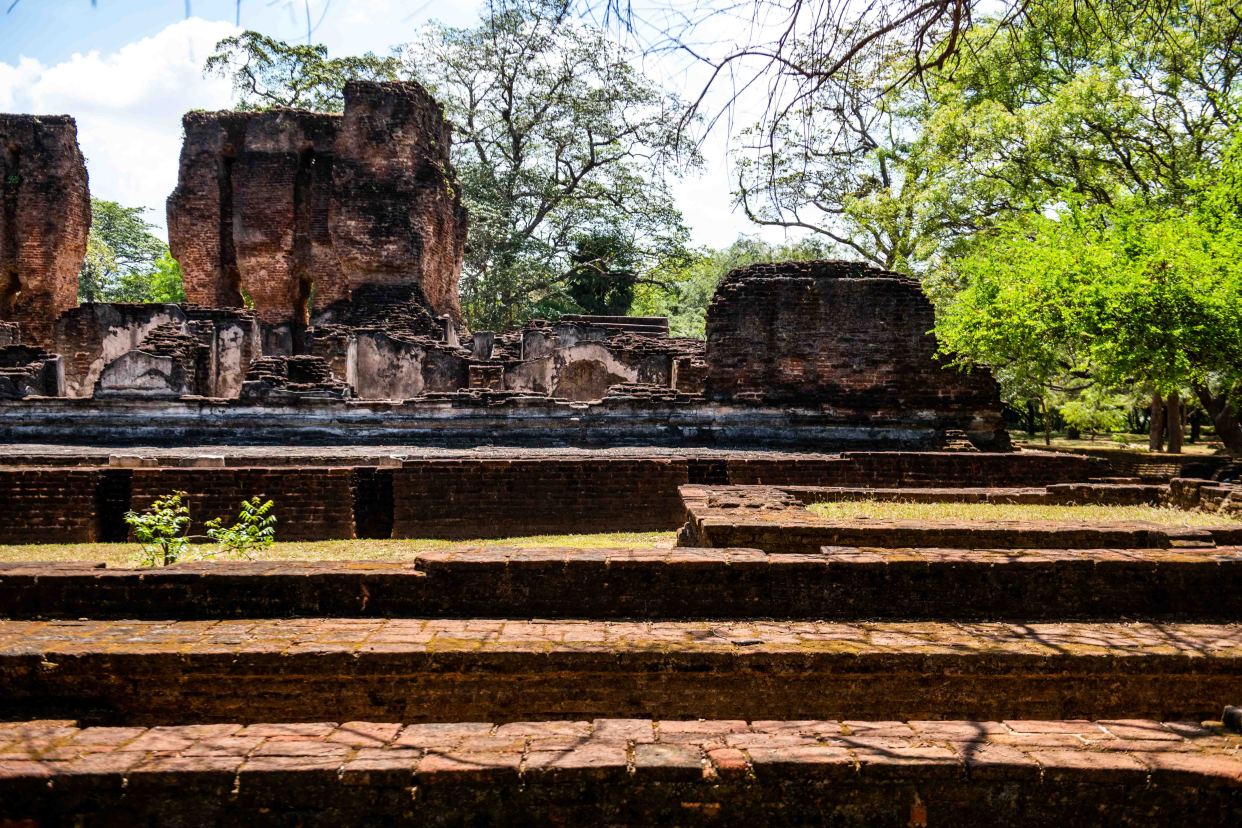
{"type": "Point", "coordinates": [128, 69]}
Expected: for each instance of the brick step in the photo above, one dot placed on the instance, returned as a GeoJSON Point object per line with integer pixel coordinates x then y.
{"type": "Point", "coordinates": [777, 519]}
{"type": "Point", "coordinates": [682, 583]}
{"type": "Point", "coordinates": [152, 672]}
{"type": "Point", "coordinates": [627, 771]}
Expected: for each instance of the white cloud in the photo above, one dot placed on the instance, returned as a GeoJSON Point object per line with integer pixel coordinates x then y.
{"type": "Point", "coordinates": [128, 105]}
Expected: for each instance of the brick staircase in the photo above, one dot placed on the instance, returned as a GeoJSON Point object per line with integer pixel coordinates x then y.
{"type": "Point", "coordinates": [906, 686]}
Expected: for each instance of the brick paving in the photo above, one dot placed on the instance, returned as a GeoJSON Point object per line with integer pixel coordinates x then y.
{"type": "Point", "coordinates": [682, 583]}
{"type": "Point", "coordinates": [708, 749]}
{"type": "Point", "coordinates": [415, 670]}
{"type": "Point", "coordinates": [327, 635]}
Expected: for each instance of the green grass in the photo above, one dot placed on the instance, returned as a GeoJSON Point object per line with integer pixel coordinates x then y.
{"type": "Point", "coordinates": [127, 554]}
{"type": "Point", "coordinates": [974, 512]}
{"type": "Point", "coordinates": [1127, 442]}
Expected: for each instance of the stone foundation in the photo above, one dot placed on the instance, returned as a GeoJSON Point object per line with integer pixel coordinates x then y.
{"type": "Point", "coordinates": [627, 771]}
{"type": "Point", "coordinates": [457, 495]}
{"type": "Point", "coordinates": [846, 336]}
{"type": "Point", "coordinates": [282, 205]}
{"type": "Point", "coordinates": [840, 583]}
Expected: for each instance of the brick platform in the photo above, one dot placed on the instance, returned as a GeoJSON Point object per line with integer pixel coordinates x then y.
{"type": "Point", "coordinates": [775, 519]}
{"type": "Point", "coordinates": [683, 583]}
{"type": "Point", "coordinates": [1128, 772]}
{"type": "Point", "coordinates": [134, 672]}
{"type": "Point", "coordinates": [321, 494]}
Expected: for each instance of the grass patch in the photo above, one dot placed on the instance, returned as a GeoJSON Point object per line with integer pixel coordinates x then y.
{"type": "Point", "coordinates": [1131, 443]}
{"type": "Point", "coordinates": [983, 512]}
{"type": "Point", "coordinates": [127, 554]}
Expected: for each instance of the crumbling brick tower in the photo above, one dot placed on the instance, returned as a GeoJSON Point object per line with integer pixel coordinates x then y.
{"type": "Point", "coordinates": [45, 215]}
{"type": "Point", "coordinates": [847, 339]}
{"type": "Point", "coordinates": [298, 209]}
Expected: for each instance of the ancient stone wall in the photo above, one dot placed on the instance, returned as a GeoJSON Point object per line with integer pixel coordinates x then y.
{"type": "Point", "coordinates": [296, 210]}
{"type": "Point", "coordinates": [49, 505]}
{"type": "Point", "coordinates": [397, 215]}
{"type": "Point", "coordinates": [45, 215]}
{"type": "Point", "coordinates": [844, 336]}
{"type": "Point", "coordinates": [310, 503]}
{"type": "Point", "coordinates": [29, 371]}
{"type": "Point", "coordinates": [498, 494]}
{"type": "Point", "coordinates": [499, 498]}
{"type": "Point", "coordinates": [136, 346]}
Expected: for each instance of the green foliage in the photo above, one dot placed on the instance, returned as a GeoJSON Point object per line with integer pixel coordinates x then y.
{"type": "Point", "coordinates": [162, 530]}
{"type": "Point", "coordinates": [682, 287]}
{"type": "Point", "coordinates": [1124, 100]}
{"type": "Point", "coordinates": [166, 283]}
{"type": "Point", "coordinates": [268, 73]}
{"type": "Point", "coordinates": [254, 530]}
{"type": "Point", "coordinates": [603, 275]}
{"type": "Point", "coordinates": [125, 262]}
{"type": "Point", "coordinates": [1125, 295]}
{"type": "Point", "coordinates": [559, 140]}
{"type": "Point", "coordinates": [1094, 410]}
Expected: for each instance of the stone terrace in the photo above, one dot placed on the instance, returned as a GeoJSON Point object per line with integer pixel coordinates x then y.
{"type": "Point", "coordinates": [775, 519]}
{"type": "Point", "coordinates": [882, 685]}
{"type": "Point", "coordinates": [659, 584]}
{"type": "Point", "coordinates": [1125, 772]}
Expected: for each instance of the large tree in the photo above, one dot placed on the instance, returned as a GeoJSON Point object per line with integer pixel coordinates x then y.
{"type": "Point", "coordinates": [558, 138]}
{"type": "Point", "coordinates": [125, 261]}
{"type": "Point", "coordinates": [1115, 112]}
{"type": "Point", "coordinates": [270, 73]}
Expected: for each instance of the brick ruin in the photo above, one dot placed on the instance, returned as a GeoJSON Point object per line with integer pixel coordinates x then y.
{"type": "Point", "coordinates": [45, 214]}
{"type": "Point", "coordinates": [321, 255]}
{"type": "Point", "coordinates": [297, 210]}
{"type": "Point", "coordinates": [843, 335]}
{"type": "Point", "coordinates": [768, 665]}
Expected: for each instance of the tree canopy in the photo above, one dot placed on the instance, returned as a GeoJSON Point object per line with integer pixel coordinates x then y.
{"type": "Point", "coordinates": [270, 73]}
{"type": "Point", "coordinates": [125, 262]}
{"type": "Point", "coordinates": [558, 140]}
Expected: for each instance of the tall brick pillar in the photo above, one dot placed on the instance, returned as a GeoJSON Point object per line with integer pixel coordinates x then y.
{"type": "Point", "coordinates": [45, 216]}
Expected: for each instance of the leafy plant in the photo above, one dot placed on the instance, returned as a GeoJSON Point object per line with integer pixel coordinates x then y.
{"type": "Point", "coordinates": [255, 529]}
{"type": "Point", "coordinates": [162, 530]}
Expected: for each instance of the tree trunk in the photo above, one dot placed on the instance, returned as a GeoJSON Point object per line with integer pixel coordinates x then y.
{"type": "Point", "coordinates": [1174, 426]}
{"type": "Point", "coordinates": [1031, 427]}
{"type": "Point", "coordinates": [1043, 405]}
{"type": "Point", "coordinates": [1196, 423]}
{"type": "Point", "coordinates": [1225, 416]}
{"type": "Point", "coordinates": [1155, 432]}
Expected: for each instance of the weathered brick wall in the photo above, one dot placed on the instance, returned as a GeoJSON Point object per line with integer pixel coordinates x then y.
{"type": "Point", "coordinates": [844, 335]}
{"type": "Point", "coordinates": [48, 505]}
{"type": "Point", "coordinates": [844, 583]}
{"type": "Point", "coordinates": [311, 503]}
{"type": "Point", "coordinates": [487, 496]}
{"type": "Point", "coordinates": [276, 203]}
{"type": "Point", "coordinates": [396, 209]}
{"type": "Point", "coordinates": [45, 215]}
{"type": "Point", "coordinates": [499, 498]}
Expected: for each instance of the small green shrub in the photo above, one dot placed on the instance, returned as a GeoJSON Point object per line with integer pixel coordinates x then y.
{"type": "Point", "coordinates": [255, 529]}
{"type": "Point", "coordinates": [161, 530]}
